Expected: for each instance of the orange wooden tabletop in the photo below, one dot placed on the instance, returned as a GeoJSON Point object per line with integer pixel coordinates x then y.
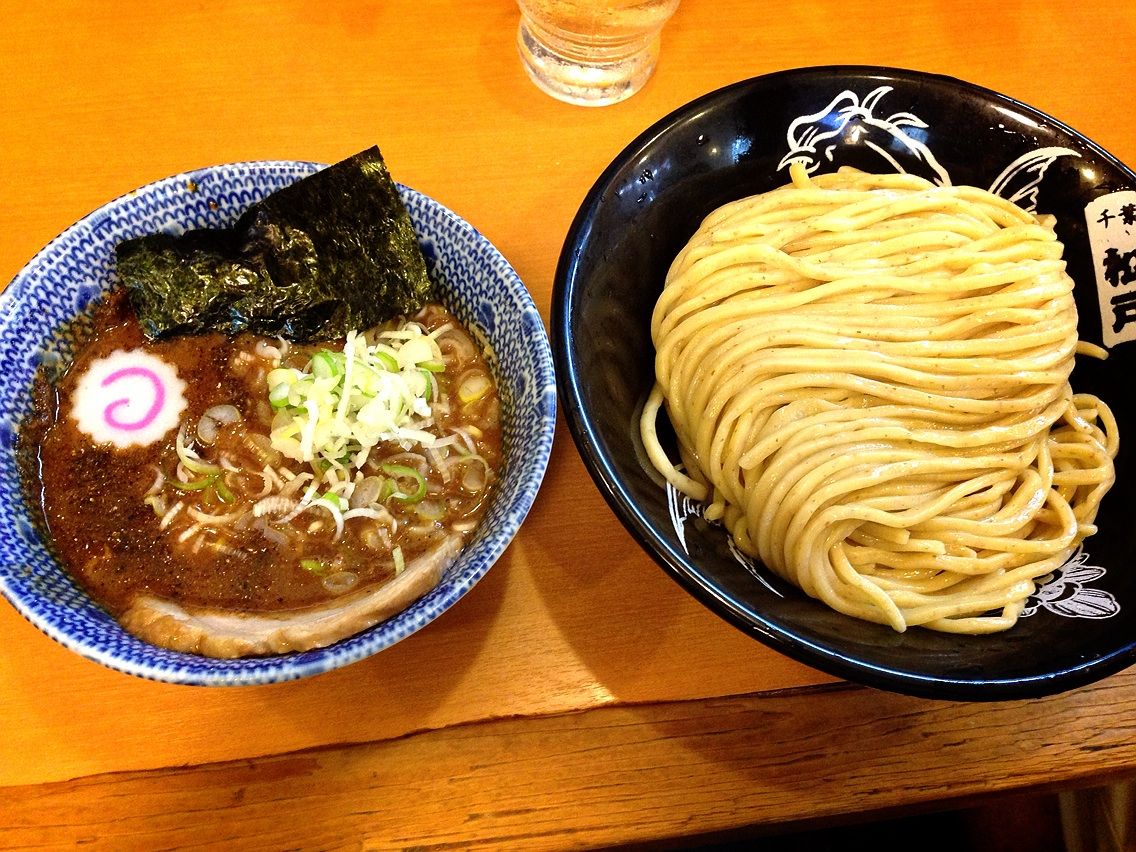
{"type": "Point", "coordinates": [577, 696]}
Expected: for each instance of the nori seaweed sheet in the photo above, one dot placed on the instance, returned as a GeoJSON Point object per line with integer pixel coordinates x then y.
{"type": "Point", "coordinates": [333, 252]}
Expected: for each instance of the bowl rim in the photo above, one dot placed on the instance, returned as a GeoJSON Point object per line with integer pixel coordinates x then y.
{"type": "Point", "coordinates": [197, 670]}
{"type": "Point", "coordinates": [679, 566]}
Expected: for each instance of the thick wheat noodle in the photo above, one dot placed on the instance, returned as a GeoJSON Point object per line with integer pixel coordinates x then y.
{"type": "Point", "coordinates": [868, 376]}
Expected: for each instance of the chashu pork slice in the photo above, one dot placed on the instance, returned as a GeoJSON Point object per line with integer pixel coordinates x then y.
{"type": "Point", "coordinates": [215, 632]}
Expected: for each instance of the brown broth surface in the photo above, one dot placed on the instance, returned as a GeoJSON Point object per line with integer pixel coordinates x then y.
{"type": "Point", "coordinates": [102, 529]}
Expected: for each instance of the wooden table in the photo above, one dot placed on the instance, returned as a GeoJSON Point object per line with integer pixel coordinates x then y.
{"type": "Point", "coordinates": [577, 697]}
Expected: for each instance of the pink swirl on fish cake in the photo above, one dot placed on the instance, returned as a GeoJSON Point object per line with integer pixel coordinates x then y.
{"type": "Point", "coordinates": [129, 398]}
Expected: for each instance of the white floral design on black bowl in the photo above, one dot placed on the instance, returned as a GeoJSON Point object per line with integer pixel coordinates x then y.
{"type": "Point", "coordinates": [740, 140]}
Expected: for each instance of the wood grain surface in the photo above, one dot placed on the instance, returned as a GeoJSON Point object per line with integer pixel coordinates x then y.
{"type": "Point", "coordinates": [576, 697]}
{"type": "Point", "coordinates": [677, 770]}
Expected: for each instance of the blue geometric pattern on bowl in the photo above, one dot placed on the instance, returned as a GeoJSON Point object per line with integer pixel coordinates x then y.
{"type": "Point", "coordinates": [37, 313]}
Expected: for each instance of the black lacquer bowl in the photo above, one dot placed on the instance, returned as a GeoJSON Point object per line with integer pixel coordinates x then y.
{"type": "Point", "coordinates": [737, 141]}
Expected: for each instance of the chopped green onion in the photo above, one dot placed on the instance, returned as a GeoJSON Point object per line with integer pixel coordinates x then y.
{"type": "Point", "coordinates": [190, 459]}
{"type": "Point", "coordinates": [334, 499]}
{"type": "Point", "coordinates": [222, 491]}
{"type": "Point", "coordinates": [388, 488]}
{"type": "Point", "coordinates": [417, 350]}
{"type": "Point", "coordinates": [433, 366]}
{"type": "Point", "coordinates": [389, 362]}
{"type": "Point", "coordinates": [473, 387]}
{"type": "Point", "coordinates": [399, 560]}
{"type": "Point", "coordinates": [278, 396]}
{"type": "Point", "coordinates": [431, 510]}
{"type": "Point", "coordinates": [213, 481]}
{"type": "Point", "coordinates": [313, 565]}
{"type": "Point", "coordinates": [282, 375]}
{"type": "Point", "coordinates": [401, 472]}
{"type": "Point", "coordinates": [194, 485]}
{"type": "Point", "coordinates": [344, 403]}
{"type": "Point", "coordinates": [324, 366]}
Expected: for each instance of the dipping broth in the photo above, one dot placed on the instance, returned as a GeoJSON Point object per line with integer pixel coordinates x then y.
{"type": "Point", "coordinates": [236, 512]}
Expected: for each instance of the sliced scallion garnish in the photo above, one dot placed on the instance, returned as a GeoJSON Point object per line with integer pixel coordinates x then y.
{"type": "Point", "coordinates": [278, 396]}
{"type": "Point", "coordinates": [403, 474]}
{"type": "Point", "coordinates": [343, 403]}
{"type": "Point", "coordinates": [222, 491]}
{"type": "Point", "coordinates": [323, 365]}
{"type": "Point", "coordinates": [192, 485]}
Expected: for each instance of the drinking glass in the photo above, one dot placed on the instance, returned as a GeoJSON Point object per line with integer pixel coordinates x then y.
{"type": "Point", "coordinates": [591, 52]}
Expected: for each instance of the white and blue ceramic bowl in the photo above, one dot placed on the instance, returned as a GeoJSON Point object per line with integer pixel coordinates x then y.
{"type": "Point", "coordinates": [60, 283]}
